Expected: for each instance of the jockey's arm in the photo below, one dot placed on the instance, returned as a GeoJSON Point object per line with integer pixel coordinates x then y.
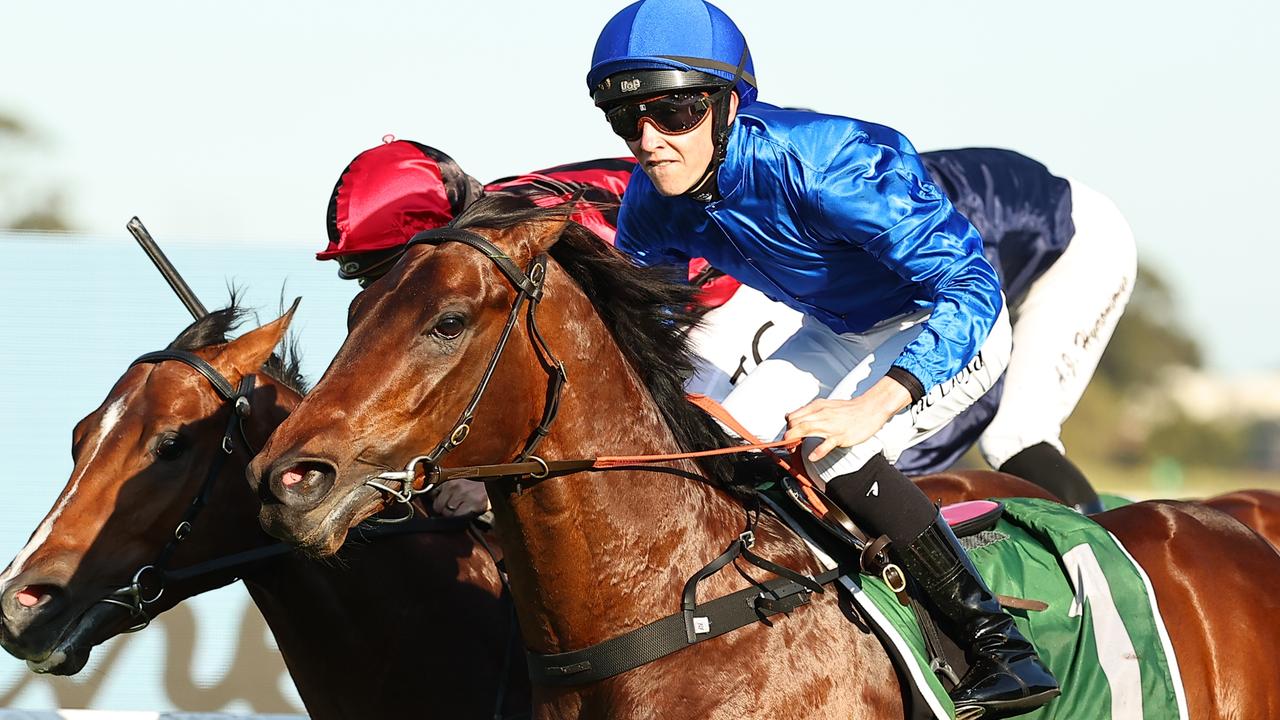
{"type": "Point", "coordinates": [877, 202]}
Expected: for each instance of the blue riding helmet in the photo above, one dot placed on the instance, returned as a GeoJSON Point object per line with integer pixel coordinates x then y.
{"type": "Point", "coordinates": [693, 41]}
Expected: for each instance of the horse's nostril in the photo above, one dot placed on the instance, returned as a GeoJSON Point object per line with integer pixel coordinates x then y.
{"type": "Point", "coordinates": [306, 474]}
{"type": "Point", "coordinates": [31, 596]}
{"type": "Point", "coordinates": [304, 482]}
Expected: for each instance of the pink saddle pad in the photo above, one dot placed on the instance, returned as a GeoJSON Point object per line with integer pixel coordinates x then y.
{"type": "Point", "coordinates": [967, 511]}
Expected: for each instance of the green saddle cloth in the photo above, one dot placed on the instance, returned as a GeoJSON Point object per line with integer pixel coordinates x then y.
{"type": "Point", "coordinates": [1102, 635]}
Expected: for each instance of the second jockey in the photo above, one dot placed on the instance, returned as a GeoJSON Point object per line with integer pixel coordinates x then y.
{"type": "Point", "coordinates": [1067, 262]}
{"type": "Point", "coordinates": [389, 193]}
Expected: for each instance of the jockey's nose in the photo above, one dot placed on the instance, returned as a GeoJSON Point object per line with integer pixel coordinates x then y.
{"type": "Point", "coordinates": [301, 483]}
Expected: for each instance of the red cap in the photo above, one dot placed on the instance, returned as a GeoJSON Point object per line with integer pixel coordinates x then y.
{"type": "Point", "coordinates": [391, 192]}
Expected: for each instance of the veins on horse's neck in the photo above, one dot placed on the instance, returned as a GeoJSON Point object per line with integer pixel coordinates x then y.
{"type": "Point", "coordinates": [593, 554]}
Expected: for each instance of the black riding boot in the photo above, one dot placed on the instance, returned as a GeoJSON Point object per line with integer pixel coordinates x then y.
{"type": "Point", "coordinates": [1005, 675]}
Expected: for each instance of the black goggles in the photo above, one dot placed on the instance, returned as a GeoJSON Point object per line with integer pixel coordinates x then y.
{"type": "Point", "coordinates": [674, 114]}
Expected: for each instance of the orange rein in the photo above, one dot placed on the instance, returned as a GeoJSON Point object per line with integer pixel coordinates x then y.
{"type": "Point", "coordinates": [794, 467]}
{"type": "Point", "coordinates": [538, 468]}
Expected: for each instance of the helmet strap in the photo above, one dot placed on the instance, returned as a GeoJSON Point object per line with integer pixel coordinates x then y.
{"type": "Point", "coordinates": [707, 188]}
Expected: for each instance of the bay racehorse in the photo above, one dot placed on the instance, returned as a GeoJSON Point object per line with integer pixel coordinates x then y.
{"type": "Point", "coordinates": [448, 366]}
{"type": "Point", "coordinates": [354, 633]}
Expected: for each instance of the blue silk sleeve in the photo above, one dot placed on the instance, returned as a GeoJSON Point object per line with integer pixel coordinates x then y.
{"type": "Point", "coordinates": [873, 196]}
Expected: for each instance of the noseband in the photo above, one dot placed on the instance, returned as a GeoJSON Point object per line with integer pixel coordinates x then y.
{"type": "Point", "coordinates": [148, 582]}
{"type": "Point", "coordinates": [529, 288]}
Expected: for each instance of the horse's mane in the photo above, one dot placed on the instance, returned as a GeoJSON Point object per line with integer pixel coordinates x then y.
{"type": "Point", "coordinates": [647, 310]}
{"type": "Point", "coordinates": [216, 328]}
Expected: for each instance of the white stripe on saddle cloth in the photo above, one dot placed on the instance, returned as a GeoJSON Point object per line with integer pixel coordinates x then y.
{"type": "Point", "coordinates": [1179, 692]}
{"type": "Point", "coordinates": [1116, 655]}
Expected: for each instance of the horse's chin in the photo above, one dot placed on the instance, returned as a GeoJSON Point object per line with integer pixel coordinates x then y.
{"type": "Point", "coordinates": [322, 530]}
{"type": "Point", "coordinates": [70, 654]}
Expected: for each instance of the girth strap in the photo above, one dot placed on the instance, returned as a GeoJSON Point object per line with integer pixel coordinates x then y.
{"type": "Point", "coordinates": [666, 636]}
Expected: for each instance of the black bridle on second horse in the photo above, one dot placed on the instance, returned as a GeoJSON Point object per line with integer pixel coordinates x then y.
{"type": "Point", "coordinates": [149, 581]}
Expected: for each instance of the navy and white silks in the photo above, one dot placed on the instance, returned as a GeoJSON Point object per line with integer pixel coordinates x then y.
{"type": "Point", "coordinates": [1067, 262]}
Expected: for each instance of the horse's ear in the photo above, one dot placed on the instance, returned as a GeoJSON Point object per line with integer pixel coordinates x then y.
{"type": "Point", "coordinates": [248, 352]}
{"type": "Point", "coordinates": [542, 234]}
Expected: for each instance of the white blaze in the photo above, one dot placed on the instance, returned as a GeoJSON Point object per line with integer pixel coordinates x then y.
{"type": "Point", "coordinates": [110, 419]}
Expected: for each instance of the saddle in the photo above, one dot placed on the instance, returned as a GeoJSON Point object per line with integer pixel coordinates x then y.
{"type": "Point", "coordinates": [840, 543]}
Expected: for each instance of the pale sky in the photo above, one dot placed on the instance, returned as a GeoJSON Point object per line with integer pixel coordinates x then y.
{"type": "Point", "coordinates": [233, 119]}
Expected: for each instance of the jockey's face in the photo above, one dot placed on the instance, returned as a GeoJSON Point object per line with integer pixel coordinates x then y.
{"type": "Point", "coordinates": [675, 162]}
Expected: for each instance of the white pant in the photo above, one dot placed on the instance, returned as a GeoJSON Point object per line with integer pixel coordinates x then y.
{"type": "Point", "coordinates": [1061, 326]}
{"type": "Point", "coordinates": [818, 362]}
{"type": "Point", "coordinates": [734, 338]}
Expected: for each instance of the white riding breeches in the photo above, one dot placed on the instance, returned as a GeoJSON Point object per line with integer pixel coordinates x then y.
{"type": "Point", "coordinates": [736, 337]}
{"type": "Point", "coordinates": [1061, 325]}
{"type": "Point", "coordinates": [818, 362]}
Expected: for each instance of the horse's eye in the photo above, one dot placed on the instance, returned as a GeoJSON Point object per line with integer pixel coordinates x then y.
{"type": "Point", "coordinates": [449, 327]}
{"type": "Point", "coordinates": [169, 446]}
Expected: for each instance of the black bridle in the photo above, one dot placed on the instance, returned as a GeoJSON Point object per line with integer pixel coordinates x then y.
{"type": "Point", "coordinates": [529, 288]}
{"type": "Point", "coordinates": [149, 581]}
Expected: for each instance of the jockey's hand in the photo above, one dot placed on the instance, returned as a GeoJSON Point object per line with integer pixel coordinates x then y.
{"type": "Point", "coordinates": [845, 423]}
{"type": "Point", "coordinates": [459, 498]}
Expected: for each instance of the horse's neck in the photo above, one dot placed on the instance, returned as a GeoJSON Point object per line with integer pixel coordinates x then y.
{"type": "Point", "coordinates": [272, 402]}
{"type": "Point", "coordinates": [353, 632]}
{"type": "Point", "coordinates": [592, 553]}
{"type": "Point", "coordinates": [234, 523]}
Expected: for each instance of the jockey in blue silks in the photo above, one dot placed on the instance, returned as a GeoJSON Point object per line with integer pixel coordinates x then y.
{"type": "Point", "coordinates": [837, 218]}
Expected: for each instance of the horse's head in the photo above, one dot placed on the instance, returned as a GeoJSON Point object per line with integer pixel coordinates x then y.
{"type": "Point", "coordinates": [420, 344]}
{"type": "Point", "coordinates": [142, 459]}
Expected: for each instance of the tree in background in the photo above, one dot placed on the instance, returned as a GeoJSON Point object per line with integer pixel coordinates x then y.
{"type": "Point", "coordinates": [22, 205]}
